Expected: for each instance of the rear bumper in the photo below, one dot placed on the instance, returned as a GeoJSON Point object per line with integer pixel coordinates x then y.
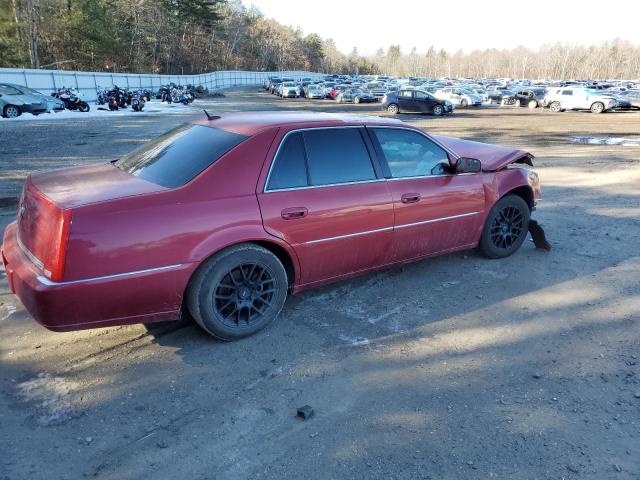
{"type": "Point", "coordinates": [138, 297]}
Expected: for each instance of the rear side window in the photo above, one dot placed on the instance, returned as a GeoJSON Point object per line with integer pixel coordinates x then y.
{"type": "Point", "coordinates": [289, 170]}
{"type": "Point", "coordinates": [337, 155]}
{"type": "Point", "coordinates": [178, 156]}
{"type": "Point", "coordinates": [323, 156]}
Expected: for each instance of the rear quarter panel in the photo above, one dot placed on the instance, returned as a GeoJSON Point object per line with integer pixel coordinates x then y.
{"type": "Point", "coordinates": [180, 226]}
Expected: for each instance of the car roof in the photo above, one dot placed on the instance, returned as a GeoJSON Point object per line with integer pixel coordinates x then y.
{"type": "Point", "coordinates": [251, 123]}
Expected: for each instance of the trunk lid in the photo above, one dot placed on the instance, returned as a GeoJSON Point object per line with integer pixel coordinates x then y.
{"type": "Point", "coordinates": [77, 186]}
{"type": "Point", "coordinates": [492, 157]}
{"type": "Point", "coordinates": [47, 202]}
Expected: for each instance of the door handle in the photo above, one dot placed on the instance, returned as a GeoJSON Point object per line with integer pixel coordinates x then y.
{"type": "Point", "coordinates": [294, 213]}
{"type": "Point", "coordinates": [410, 198]}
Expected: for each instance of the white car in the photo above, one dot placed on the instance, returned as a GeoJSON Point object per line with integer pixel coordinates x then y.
{"type": "Point", "coordinates": [289, 90]}
{"type": "Point", "coordinates": [458, 97]}
{"type": "Point", "coordinates": [578, 98]}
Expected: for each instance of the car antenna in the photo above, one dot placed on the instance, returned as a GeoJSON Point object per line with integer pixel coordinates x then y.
{"type": "Point", "coordinates": [211, 117]}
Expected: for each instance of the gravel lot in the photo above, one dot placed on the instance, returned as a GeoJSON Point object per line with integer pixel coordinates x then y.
{"type": "Point", "coordinates": [454, 368]}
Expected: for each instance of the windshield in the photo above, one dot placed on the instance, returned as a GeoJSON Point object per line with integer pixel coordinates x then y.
{"type": "Point", "coordinates": [178, 156]}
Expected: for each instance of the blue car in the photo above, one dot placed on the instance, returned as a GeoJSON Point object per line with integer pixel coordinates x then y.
{"type": "Point", "coordinates": [415, 101]}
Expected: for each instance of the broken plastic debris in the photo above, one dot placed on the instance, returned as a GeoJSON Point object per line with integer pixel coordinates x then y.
{"type": "Point", "coordinates": [305, 412]}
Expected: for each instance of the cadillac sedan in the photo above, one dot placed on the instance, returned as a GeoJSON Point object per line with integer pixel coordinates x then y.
{"type": "Point", "coordinates": [222, 218]}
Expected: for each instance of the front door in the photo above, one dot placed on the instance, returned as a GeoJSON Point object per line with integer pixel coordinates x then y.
{"type": "Point", "coordinates": [326, 198]}
{"type": "Point", "coordinates": [425, 101]}
{"type": "Point", "coordinates": [435, 211]}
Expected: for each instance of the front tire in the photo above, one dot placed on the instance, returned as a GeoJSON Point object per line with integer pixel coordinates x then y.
{"type": "Point", "coordinates": [555, 107]}
{"type": "Point", "coordinates": [506, 227]}
{"type": "Point", "coordinates": [438, 110]}
{"type": "Point", "coordinates": [237, 292]}
{"type": "Point", "coordinates": [356, 100]}
{"type": "Point", "coordinates": [597, 107]}
{"type": "Point", "coordinates": [11, 111]}
{"type": "Point", "coordinates": [464, 103]}
{"type": "Point", "coordinates": [532, 104]}
{"type": "Point", "coordinates": [393, 109]}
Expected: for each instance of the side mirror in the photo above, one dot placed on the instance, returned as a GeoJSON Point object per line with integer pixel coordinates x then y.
{"type": "Point", "coordinates": [467, 165]}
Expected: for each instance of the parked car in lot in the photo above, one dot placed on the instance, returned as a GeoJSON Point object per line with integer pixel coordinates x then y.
{"type": "Point", "coordinates": [222, 218]}
{"type": "Point", "coordinates": [415, 101]}
{"type": "Point", "coordinates": [355, 95]}
{"type": "Point", "coordinates": [53, 104]}
{"type": "Point", "coordinates": [501, 96]}
{"type": "Point", "coordinates": [459, 97]}
{"type": "Point", "coordinates": [288, 90]}
{"type": "Point", "coordinates": [313, 91]}
{"type": "Point", "coordinates": [578, 98]}
{"type": "Point", "coordinates": [14, 102]}
{"type": "Point", "coordinates": [529, 97]}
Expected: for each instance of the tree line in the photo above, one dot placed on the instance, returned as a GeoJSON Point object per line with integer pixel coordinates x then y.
{"type": "Point", "coordinates": [196, 36]}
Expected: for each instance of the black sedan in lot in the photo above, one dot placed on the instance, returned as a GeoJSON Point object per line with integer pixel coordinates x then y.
{"type": "Point", "coordinates": [356, 95]}
{"type": "Point", "coordinates": [415, 101]}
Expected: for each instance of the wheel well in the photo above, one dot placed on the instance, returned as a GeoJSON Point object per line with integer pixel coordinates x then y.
{"type": "Point", "coordinates": [283, 256]}
{"type": "Point", "coordinates": [525, 193]}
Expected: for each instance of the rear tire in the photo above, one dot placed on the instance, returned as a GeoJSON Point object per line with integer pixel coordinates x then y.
{"type": "Point", "coordinates": [464, 103]}
{"type": "Point", "coordinates": [237, 292]}
{"type": "Point", "coordinates": [532, 104]}
{"type": "Point", "coordinates": [356, 100]}
{"type": "Point", "coordinates": [506, 227]}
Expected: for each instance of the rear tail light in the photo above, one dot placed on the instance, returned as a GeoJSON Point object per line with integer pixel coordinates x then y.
{"type": "Point", "coordinates": [54, 261]}
{"type": "Point", "coordinates": [43, 232]}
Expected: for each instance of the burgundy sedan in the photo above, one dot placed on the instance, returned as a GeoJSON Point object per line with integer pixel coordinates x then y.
{"type": "Point", "coordinates": [220, 219]}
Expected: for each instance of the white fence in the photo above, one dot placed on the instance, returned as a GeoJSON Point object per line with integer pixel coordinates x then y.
{"type": "Point", "coordinates": [47, 81]}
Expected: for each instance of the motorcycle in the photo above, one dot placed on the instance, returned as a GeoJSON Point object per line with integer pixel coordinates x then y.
{"type": "Point", "coordinates": [71, 99]}
{"type": "Point", "coordinates": [137, 102]}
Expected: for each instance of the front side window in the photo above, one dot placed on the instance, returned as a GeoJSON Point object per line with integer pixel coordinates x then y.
{"type": "Point", "coordinates": [567, 92]}
{"type": "Point", "coordinates": [178, 156]}
{"type": "Point", "coordinates": [411, 154]}
{"type": "Point", "coordinates": [421, 96]}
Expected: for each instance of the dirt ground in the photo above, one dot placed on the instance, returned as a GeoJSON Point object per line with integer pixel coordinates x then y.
{"type": "Point", "coordinates": [455, 368]}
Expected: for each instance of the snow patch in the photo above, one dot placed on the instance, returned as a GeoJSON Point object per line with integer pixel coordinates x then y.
{"type": "Point", "coordinates": [356, 341]}
{"type": "Point", "coordinates": [152, 107]}
{"type": "Point", "coordinates": [604, 140]}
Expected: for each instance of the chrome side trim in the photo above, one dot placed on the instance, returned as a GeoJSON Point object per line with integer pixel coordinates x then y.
{"type": "Point", "coordinates": [348, 235]}
{"type": "Point", "coordinates": [310, 187]}
{"type": "Point", "coordinates": [441, 219]}
{"type": "Point", "coordinates": [386, 229]}
{"type": "Point", "coordinates": [46, 281]}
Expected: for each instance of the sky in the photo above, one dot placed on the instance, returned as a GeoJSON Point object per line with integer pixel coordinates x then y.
{"type": "Point", "coordinates": [460, 24]}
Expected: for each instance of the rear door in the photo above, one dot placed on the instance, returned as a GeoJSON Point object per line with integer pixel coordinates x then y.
{"type": "Point", "coordinates": [434, 211]}
{"type": "Point", "coordinates": [325, 196]}
{"type": "Point", "coordinates": [406, 101]}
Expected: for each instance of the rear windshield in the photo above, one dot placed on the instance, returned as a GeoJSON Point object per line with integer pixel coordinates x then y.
{"type": "Point", "coordinates": [178, 156]}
